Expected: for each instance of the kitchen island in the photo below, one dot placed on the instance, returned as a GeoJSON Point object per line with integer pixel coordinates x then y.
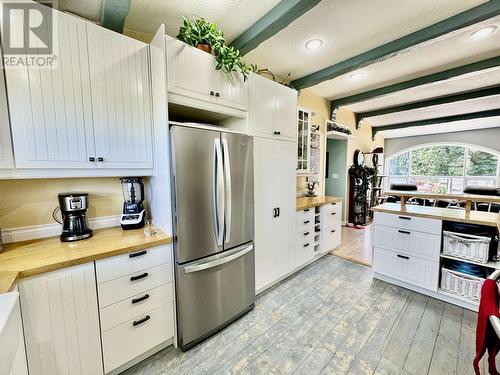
{"type": "Point", "coordinates": [426, 249]}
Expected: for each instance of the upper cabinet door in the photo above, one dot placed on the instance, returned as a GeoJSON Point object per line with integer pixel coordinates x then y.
{"type": "Point", "coordinates": [190, 71]}
{"type": "Point", "coordinates": [232, 91]}
{"type": "Point", "coordinates": [6, 157]}
{"type": "Point", "coordinates": [121, 99]}
{"type": "Point", "coordinates": [50, 109]}
{"type": "Point", "coordinates": [262, 107]}
{"type": "Point", "coordinates": [286, 112]}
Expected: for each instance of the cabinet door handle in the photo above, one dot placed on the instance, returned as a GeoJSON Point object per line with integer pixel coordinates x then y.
{"type": "Point", "coordinates": [334, 213]}
{"type": "Point", "coordinates": [138, 254]}
{"type": "Point", "coordinates": [404, 218]}
{"type": "Point", "coordinates": [212, 93]}
{"type": "Point", "coordinates": [306, 245]}
{"type": "Point", "coordinates": [217, 94]}
{"type": "Point", "coordinates": [274, 212]}
{"type": "Point", "coordinates": [404, 231]}
{"type": "Point", "coordinates": [403, 257]}
{"type": "Point", "coordinates": [100, 158]}
{"type": "Point", "coordinates": [333, 231]}
{"type": "Point", "coordinates": [140, 321]}
{"type": "Point", "coordinates": [307, 222]}
{"type": "Point", "coordinates": [140, 299]}
{"type": "Point", "coordinates": [138, 277]}
{"type": "Point", "coordinates": [306, 233]}
{"type": "Point", "coordinates": [278, 211]}
{"type": "Point", "coordinates": [92, 159]}
{"type": "Point", "coordinates": [277, 132]}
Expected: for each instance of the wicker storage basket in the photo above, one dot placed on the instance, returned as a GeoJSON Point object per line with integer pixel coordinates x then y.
{"type": "Point", "coordinates": [466, 246]}
{"type": "Point", "coordinates": [461, 284]}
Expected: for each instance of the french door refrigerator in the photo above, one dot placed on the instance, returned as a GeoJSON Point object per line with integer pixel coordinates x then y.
{"type": "Point", "coordinates": [213, 221]}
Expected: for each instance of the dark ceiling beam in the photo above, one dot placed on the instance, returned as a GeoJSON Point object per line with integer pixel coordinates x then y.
{"type": "Point", "coordinates": [272, 22]}
{"type": "Point", "coordinates": [436, 121]}
{"type": "Point", "coordinates": [430, 103]}
{"type": "Point", "coordinates": [113, 14]}
{"type": "Point", "coordinates": [440, 76]}
{"type": "Point", "coordinates": [459, 21]}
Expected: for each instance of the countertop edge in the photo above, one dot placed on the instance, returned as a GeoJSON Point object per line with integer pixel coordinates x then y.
{"type": "Point", "coordinates": [326, 200]}
{"type": "Point", "coordinates": [8, 280]}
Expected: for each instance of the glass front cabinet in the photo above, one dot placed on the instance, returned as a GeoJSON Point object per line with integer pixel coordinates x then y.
{"type": "Point", "coordinates": [304, 138]}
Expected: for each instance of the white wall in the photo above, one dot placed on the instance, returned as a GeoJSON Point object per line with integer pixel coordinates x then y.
{"type": "Point", "coordinates": [489, 138]}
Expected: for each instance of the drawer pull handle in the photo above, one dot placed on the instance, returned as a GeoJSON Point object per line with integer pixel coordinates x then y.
{"type": "Point", "coordinates": [333, 204]}
{"type": "Point", "coordinates": [138, 277]}
{"type": "Point", "coordinates": [307, 222]}
{"type": "Point", "coordinates": [138, 254]}
{"type": "Point", "coordinates": [306, 233]}
{"type": "Point", "coordinates": [403, 231]}
{"type": "Point", "coordinates": [306, 245]}
{"type": "Point", "coordinates": [140, 299]}
{"type": "Point", "coordinates": [403, 256]}
{"type": "Point", "coordinates": [404, 217]}
{"type": "Point", "coordinates": [332, 231]}
{"type": "Point", "coordinates": [306, 210]}
{"type": "Point", "coordinates": [334, 213]}
{"type": "Point", "coordinates": [140, 321]}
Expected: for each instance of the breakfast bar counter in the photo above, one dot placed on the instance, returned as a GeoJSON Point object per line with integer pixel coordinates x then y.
{"type": "Point", "coordinates": [29, 258]}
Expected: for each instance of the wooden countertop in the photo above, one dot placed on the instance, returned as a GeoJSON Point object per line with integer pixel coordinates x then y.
{"type": "Point", "coordinates": [29, 258]}
{"type": "Point", "coordinates": [308, 202]}
{"type": "Point", "coordinates": [450, 214]}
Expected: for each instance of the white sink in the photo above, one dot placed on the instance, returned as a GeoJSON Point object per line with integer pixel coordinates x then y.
{"type": "Point", "coordinates": [12, 354]}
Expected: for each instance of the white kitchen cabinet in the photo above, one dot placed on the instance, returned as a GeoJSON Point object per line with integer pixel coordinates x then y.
{"type": "Point", "coordinates": [272, 109]}
{"type": "Point", "coordinates": [92, 112]}
{"type": "Point", "coordinates": [274, 170]}
{"type": "Point", "coordinates": [121, 101]}
{"type": "Point", "coordinates": [192, 74]}
{"type": "Point", "coordinates": [6, 155]}
{"type": "Point", "coordinates": [331, 226]}
{"type": "Point", "coordinates": [50, 109]}
{"type": "Point", "coordinates": [61, 322]}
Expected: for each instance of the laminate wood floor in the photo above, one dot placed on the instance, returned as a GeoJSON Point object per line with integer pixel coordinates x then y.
{"type": "Point", "coordinates": [356, 245]}
{"type": "Point", "coordinates": [333, 318]}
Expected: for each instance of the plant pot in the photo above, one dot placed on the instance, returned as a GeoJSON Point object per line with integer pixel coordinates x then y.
{"type": "Point", "coordinates": [204, 47]}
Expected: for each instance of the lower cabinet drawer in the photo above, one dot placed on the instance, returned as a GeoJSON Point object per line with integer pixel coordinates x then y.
{"type": "Point", "coordinates": [409, 242]}
{"type": "Point", "coordinates": [120, 312]}
{"type": "Point", "coordinates": [136, 336]}
{"type": "Point", "coordinates": [305, 237]}
{"type": "Point", "coordinates": [130, 285]}
{"type": "Point", "coordinates": [330, 238]}
{"type": "Point", "coordinates": [413, 270]}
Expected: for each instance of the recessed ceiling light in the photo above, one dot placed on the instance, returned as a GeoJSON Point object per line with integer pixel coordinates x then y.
{"type": "Point", "coordinates": [483, 33]}
{"type": "Point", "coordinates": [357, 75]}
{"type": "Point", "coordinates": [314, 43]}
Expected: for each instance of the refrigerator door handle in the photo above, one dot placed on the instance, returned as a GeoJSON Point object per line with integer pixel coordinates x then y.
{"type": "Point", "coordinates": [227, 190]}
{"type": "Point", "coordinates": [218, 192]}
{"type": "Point", "coordinates": [232, 255]}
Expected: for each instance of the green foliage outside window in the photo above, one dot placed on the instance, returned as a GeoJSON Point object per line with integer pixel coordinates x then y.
{"type": "Point", "coordinates": [438, 161]}
{"type": "Point", "coordinates": [482, 163]}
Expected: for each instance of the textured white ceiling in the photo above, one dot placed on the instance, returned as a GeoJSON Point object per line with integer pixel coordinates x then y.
{"type": "Point", "coordinates": [232, 16]}
{"type": "Point", "coordinates": [452, 50]}
{"type": "Point", "coordinates": [492, 122]}
{"type": "Point", "coordinates": [467, 82]}
{"type": "Point", "coordinates": [436, 111]}
{"type": "Point", "coordinates": [348, 28]}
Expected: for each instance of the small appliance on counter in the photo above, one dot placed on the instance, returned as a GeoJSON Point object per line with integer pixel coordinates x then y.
{"type": "Point", "coordinates": [133, 208]}
{"type": "Point", "coordinates": [75, 225]}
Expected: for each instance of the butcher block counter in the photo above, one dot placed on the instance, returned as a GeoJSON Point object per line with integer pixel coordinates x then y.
{"type": "Point", "coordinates": [29, 258]}
{"type": "Point", "coordinates": [309, 202]}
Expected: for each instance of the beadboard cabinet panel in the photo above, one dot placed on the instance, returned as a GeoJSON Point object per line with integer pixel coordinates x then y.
{"type": "Point", "coordinates": [121, 99]}
{"type": "Point", "coordinates": [61, 322]}
{"type": "Point", "coordinates": [50, 109]}
{"type": "Point", "coordinates": [6, 155]}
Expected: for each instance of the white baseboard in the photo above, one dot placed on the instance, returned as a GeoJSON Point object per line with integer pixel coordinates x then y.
{"type": "Point", "coordinates": [49, 230]}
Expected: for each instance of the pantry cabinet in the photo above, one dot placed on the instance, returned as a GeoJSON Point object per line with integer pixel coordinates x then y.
{"type": "Point", "coordinates": [92, 112]}
{"type": "Point", "coordinates": [272, 109]}
{"type": "Point", "coordinates": [274, 176]}
{"type": "Point", "coordinates": [192, 75]}
{"type": "Point", "coordinates": [61, 322]}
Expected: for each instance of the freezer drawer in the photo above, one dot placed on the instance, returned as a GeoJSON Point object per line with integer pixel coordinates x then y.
{"type": "Point", "coordinates": [213, 291]}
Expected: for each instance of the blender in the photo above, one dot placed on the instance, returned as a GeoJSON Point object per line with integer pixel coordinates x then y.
{"type": "Point", "coordinates": [133, 208]}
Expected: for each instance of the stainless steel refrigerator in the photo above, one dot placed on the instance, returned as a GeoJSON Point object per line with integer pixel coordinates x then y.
{"type": "Point", "coordinates": [213, 221]}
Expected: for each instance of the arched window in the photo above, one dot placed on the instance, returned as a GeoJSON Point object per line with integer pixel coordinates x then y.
{"type": "Point", "coordinates": [444, 168]}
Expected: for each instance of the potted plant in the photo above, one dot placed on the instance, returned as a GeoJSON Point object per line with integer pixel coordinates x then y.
{"type": "Point", "coordinates": [208, 37]}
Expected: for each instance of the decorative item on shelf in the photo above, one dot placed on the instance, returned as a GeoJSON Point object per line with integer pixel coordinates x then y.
{"type": "Point", "coordinates": [208, 37]}
{"type": "Point", "coordinates": [338, 128]}
{"type": "Point", "coordinates": [334, 114]}
{"type": "Point", "coordinates": [310, 186]}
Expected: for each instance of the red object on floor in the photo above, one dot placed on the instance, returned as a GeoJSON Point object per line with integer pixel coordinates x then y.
{"type": "Point", "coordinates": [486, 338]}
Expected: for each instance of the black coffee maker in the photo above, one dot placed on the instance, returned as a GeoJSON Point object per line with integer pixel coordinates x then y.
{"type": "Point", "coordinates": [73, 208]}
